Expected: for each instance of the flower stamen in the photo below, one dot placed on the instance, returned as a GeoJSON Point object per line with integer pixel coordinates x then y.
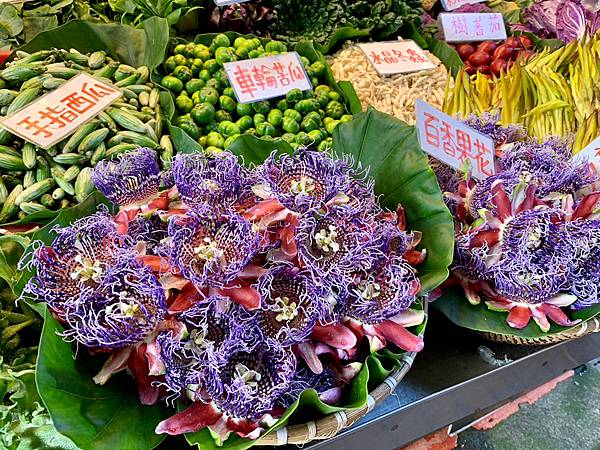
{"type": "Point", "coordinates": [326, 240]}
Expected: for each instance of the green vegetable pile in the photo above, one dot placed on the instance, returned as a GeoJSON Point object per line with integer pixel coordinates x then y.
{"type": "Point", "coordinates": [321, 20]}
{"type": "Point", "coordinates": [207, 104]}
{"type": "Point", "coordinates": [34, 180]}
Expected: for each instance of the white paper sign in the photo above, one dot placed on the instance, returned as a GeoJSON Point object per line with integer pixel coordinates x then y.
{"type": "Point", "coordinates": [450, 5]}
{"type": "Point", "coordinates": [228, 2]}
{"type": "Point", "coordinates": [396, 57]}
{"type": "Point", "coordinates": [453, 142]}
{"type": "Point", "coordinates": [592, 154]}
{"type": "Point", "coordinates": [59, 113]}
{"type": "Point", "coordinates": [262, 78]}
{"type": "Point", "coordinates": [460, 27]}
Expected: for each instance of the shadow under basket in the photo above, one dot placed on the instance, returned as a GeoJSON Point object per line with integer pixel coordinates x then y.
{"type": "Point", "coordinates": [332, 424]}
{"type": "Point", "coordinates": [584, 328]}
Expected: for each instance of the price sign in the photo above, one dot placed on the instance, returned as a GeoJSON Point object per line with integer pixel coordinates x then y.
{"type": "Point", "coordinates": [262, 78]}
{"type": "Point", "coordinates": [453, 142]}
{"type": "Point", "coordinates": [450, 5]}
{"type": "Point", "coordinates": [396, 57]}
{"type": "Point", "coordinates": [59, 113]}
{"type": "Point", "coordinates": [228, 2]}
{"type": "Point", "coordinates": [472, 27]}
{"type": "Point", "coordinates": [592, 154]}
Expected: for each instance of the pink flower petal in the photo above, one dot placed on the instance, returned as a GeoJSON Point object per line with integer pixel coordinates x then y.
{"type": "Point", "coordinates": [519, 317]}
{"type": "Point", "coordinates": [540, 318]}
{"type": "Point", "coordinates": [240, 292]}
{"type": "Point", "coordinates": [186, 298]}
{"type": "Point", "coordinates": [262, 209]}
{"type": "Point", "coordinates": [336, 335]}
{"type": "Point", "coordinates": [558, 316]}
{"type": "Point", "coordinates": [138, 365]}
{"type": "Point", "coordinates": [306, 350]}
{"type": "Point", "coordinates": [400, 336]}
{"type": "Point", "coordinates": [116, 362]}
{"type": "Point", "coordinates": [586, 206]}
{"type": "Point", "coordinates": [489, 237]}
{"type": "Point", "coordinates": [501, 200]}
{"type": "Point", "coordinates": [197, 416]}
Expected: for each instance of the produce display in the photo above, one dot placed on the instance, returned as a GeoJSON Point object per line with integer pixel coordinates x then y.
{"type": "Point", "coordinates": [242, 287]}
{"type": "Point", "coordinates": [394, 94]}
{"type": "Point", "coordinates": [493, 58]}
{"type": "Point", "coordinates": [527, 238]}
{"type": "Point", "coordinates": [35, 180]}
{"type": "Point", "coordinates": [210, 114]}
{"type": "Point", "coordinates": [552, 93]}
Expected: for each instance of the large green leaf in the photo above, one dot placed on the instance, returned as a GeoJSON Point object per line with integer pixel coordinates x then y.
{"type": "Point", "coordinates": [10, 22]}
{"type": "Point", "coordinates": [457, 308]}
{"type": "Point", "coordinates": [94, 417]}
{"type": "Point", "coordinates": [390, 149]}
{"type": "Point", "coordinates": [342, 34]}
{"type": "Point", "coordinates": [137, 47]}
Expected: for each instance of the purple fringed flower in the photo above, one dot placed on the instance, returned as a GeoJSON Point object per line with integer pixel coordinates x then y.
{"type": "Point", "coordinates": [584, 236]}
{"type": "Point", "coordinates": [290, 305]}
{"type": "Point", "coordinates": [469, 262]}
{"type": "Point", "coordinates": [534, 262]}
{"type": "Point", "coordinates": [76, 262]}
{"type": "Point", "coordinates": [382, 293]}
{"type": "Point", "coordinates": [210, 248]}
{"type": "Point", "coordinates": [327, 384]}
{"type": "Point", "coordinates": [303, 181]}
{"type": "Point", "coordinates": [211, 328]}
{"type": "Point", "coordinates": [336, 243]}
{"type": "Point", "coordinates": [216, 180]}
{"type": "Point", "coordinates": [481, 194]}
{"type": "Point", "coordinates": [489, 124]}
{"type": "Point", "coordinates": [123, 309]}
{"type": "Point", "coordinates": [149, 230]}
{"type": "Point", "coordinates": [252, 380]}
{"type": "Point", "coordinates": [132, 178]}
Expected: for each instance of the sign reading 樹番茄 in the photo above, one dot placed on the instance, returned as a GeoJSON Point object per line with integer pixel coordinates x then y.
{"type": "Point", "coordinates": [460, 27]}
{"type": "Point", "coordinates": [59, 113]}
{"type": "Point", "coordinates": [450, 5]}
{"type": "Point", "coordinates": [453, 142]}
{"type": "Point", "coordinates": [396, 57]}
{"type": "Point", "coordinates": [268, 77]}
{"type": "Point", "coordinates": [592, 154]}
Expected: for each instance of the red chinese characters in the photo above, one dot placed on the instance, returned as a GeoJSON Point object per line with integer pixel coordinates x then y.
{"type": "Point", "coordinates": [261, 78]}
{"type": "Point", "coordinates": [396, 57]}
{"type": "Point", "coordinates": [57, 114]}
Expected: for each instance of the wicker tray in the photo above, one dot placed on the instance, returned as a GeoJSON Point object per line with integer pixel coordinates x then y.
{"type": "Point", "coordinates": [588, 327]}
{"type": "Point", "coordinates": [332, 424]}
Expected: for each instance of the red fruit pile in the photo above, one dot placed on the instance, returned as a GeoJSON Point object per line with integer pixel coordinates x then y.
{"type": "Point", "coordinates": [491, 58]}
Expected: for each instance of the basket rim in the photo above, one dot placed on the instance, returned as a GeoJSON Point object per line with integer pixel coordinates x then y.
{"type": "Point", "coordinates": [331, 424]}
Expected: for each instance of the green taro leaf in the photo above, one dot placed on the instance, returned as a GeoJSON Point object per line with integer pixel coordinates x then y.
{"type": "Point", "coordinates": [446, 54]}
{"type": "Point", "coordinates": [94, 417]}
{"type": "Point", "coordinates": [390, 150]}
{"type": "Point", "coordinates": [32, 26]}
{"type": "Point", "coordinates": [254, 151]}
{"type": "Point", "coordinates": [457, 308]}
{"type": "Point", "coordinates": [10, 22]}
{"type": "Point", "coordinates": [136, 47]}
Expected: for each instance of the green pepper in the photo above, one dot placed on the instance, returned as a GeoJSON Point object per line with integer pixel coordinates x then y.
{"type": "Point", "coordinates": [275, 118]}
{"type": "Point", "coordinates": [323, 99]}
{"type": "Point", "coordinates": [244, 109]}
{"type": "Point", "coordinates": [244, 122]}
{"type": "Point", "coordinates": [265, 129]}
{"type": "Point", "coordinates": [194, 85]}
{"type": "Point", "coordinates": [202, 52]}
{"type": "Point", "coordinates": [228, 128]}
{"type": "Point", "coordinates": [229, 92]}
{"type": "Point", "coordinates": [204, 75]}
{"type": "Point", "coordinates": [293, 114]}
{"type": "Point", "coordinates": [251, 131]}
{"type": "Point", "coordinates": [318, 68]}
{"type": "Point", "coordinates": [307, 105]}
{"type": "Point", "coordinates": [170, 64]}
{"type": "Point", "coordinates": [220, 40]}
{"type": "Point", "coordinates": [184, 103]}
{"type": "Point", "coordinates": [222, 115]}
{"type": "Point", "coordinates": [322, 89]}
{"type": "Point", "coordinates": [346, 118]}
{"type": "Point", "coordinates": [179, 49]}
{"type": "Point", "coordinates": [323, 145]}
{"type": "Point", "coordinates": [211, 65]}
{"type": "Point", "coordinates": [294, 95]}
{"type": "Point", "coordinates": [230, 140]}
{"type": "Point", "coordinates": [243, 51]}
{"type": "Point", "coordinates": [172, 83]}
{"type": "Point", "coordinates": [275, 46]}
{"type": "Point", "coordinates": [310, 94]}
{"type": "Point", "coordinates": [189, 62]}
{"type": "Point", "coordinates": [288, 137]}
{"type": "Point", "coordinates": [316, 136]}
{"type": "Point", "coordinates": [227, 103]}
{"type": "Point", "coordinates": [322, 113]}
{"type": "Point", "coordinates": [334, 109]}
{"type": "Point", "coordinates": [184, 73]}
{"type": "Point", "coordinates": [261, 107]}
{"type": "Point", "coordinates": [314, 81]}
{"type": "Point", "coordinates": [203, 114]}
{"type": "Point", "coordinates": [212, 126]}
{"type": "Point", "coordinates": [326, 120]}
{"type": "Point", "coordinates": [215, 84]}
{"type": "Point", "coordinates": [202, 141]}
{"type": "Point", "coordinates": [179, 60]}
{"type": "Point", "coordinates": [214, 139]}
{"type": "Point", "coordinates": [213, 150]}
{"type": "Point", "coordinates": [330, 126]}
{"type": "Point", "coordinates": [191, 128]}
{"type": "Point", "coordinates": [303, 138]}
{"type": "Point", "coordinates": [196, 66]}
{"type": "Point", "coordinates": [255, 42]}
{"type": "Point", "coordinates": [290, 125]}
{"type": "Point", "coordinates": [221, 75]}
{"type": "Point", "coordinates": [305, 61]}
{"type": "Point", "coordinates": [253, 54]}
{"type": "Point", "coordinates": [309, 124]}
{"type": "Point", "coordinates": [258, 118]}
{"type": "Point", "coordinates": [334, 96]}
{"type": "Point", "coordinates": [241, 41]}
{"type": "Point", "coordinates": [183, 119]}
{"type": "Point", "coordinates": [313, 115]}
{"type": "Point", "coordinates": [282, 105]}
{"type": "Point", "coordinates": [224, 55]}
{"type": "Point", "coordinates": [210, 95]}
{"type": "Point", "coordinates": [189, 49]}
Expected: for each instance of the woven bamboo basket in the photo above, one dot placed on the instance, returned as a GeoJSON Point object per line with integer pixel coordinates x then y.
{"type": "Point", "coordinates": [585, 328]}
{"type": "Point", "coordinates": [332, 424]}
